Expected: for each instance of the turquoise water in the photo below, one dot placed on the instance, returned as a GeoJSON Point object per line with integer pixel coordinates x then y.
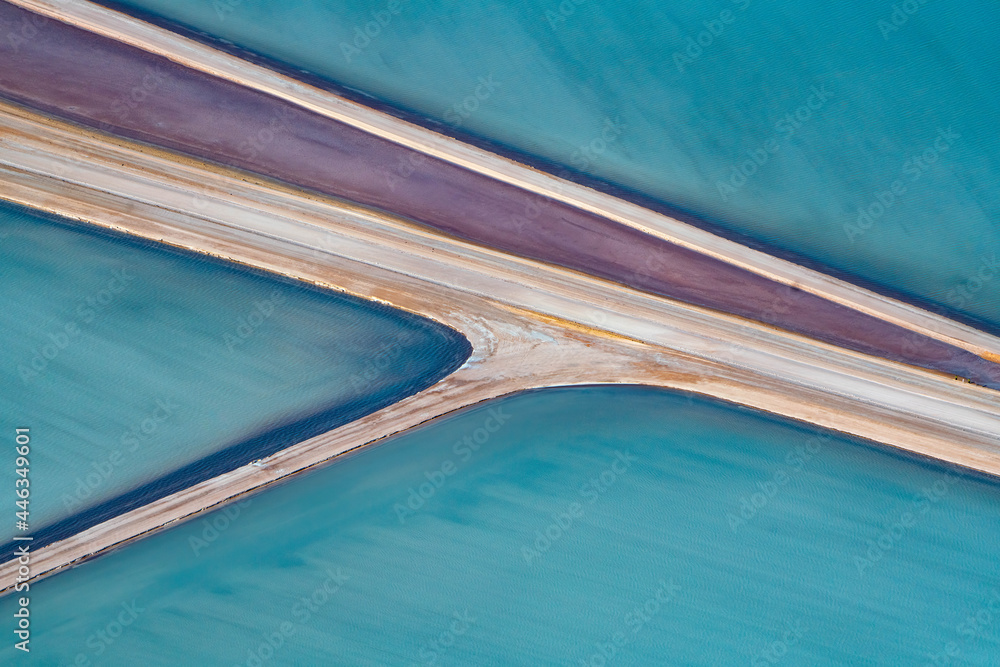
{"type": "Point", "coordinates": [834, 101]}
{"type": "Point", "coordinates": [128, 360]}
{"type": "Point", "coordinates": [679, 531]}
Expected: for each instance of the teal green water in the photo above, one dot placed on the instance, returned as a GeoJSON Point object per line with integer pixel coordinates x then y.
{"type": "Point", "coordinates": [616, 91]}
{"type": "Point", "coordinates": [555, 525]}
{"type": "Point", "coordinates": [128, 360]}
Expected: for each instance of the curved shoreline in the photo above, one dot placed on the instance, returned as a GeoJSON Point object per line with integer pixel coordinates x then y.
{"type": "Point", "coordinates": [484, 205]}
{"type": "Point", "coordinates": [264, 442]}
{"type": "Point", "coordinates": [530, 324]}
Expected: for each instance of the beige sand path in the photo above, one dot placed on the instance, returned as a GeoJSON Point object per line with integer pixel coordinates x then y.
{"type": "Point", "coordinates": [530, 324]}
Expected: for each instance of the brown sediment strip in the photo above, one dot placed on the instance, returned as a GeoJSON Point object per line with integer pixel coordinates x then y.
{"type": "Point", "coordinates": [99, 82]}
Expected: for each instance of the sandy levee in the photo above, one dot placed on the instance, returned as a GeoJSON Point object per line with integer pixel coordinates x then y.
{"type": "Point", "coordinates": [531, 324]}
